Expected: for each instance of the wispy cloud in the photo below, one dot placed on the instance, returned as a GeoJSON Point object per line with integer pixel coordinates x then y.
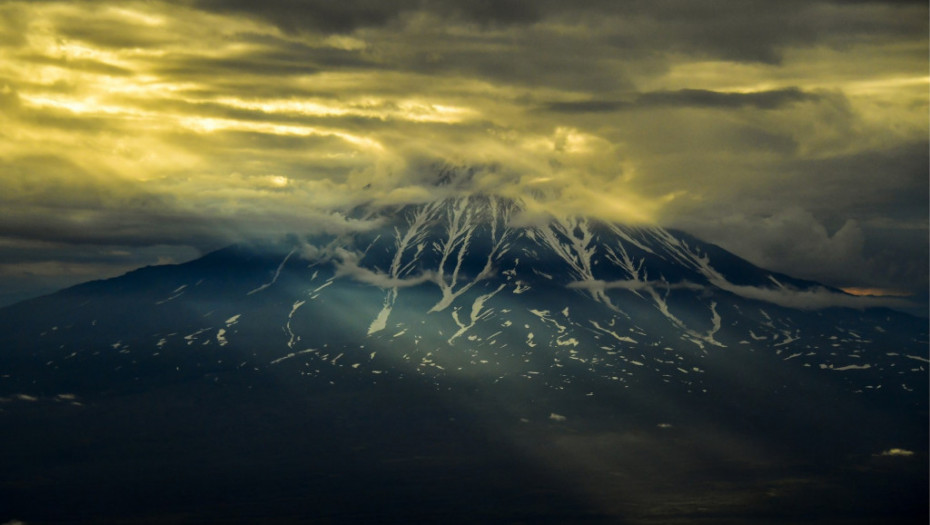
{"type": "Point", "coordinates": [897, 452]}
{"type": "Point", "coordinates": [816, 298]}
{"type": "Point", "coordinates": [690, 98]}
{"type": "Point", "coordinates": [347, 265]}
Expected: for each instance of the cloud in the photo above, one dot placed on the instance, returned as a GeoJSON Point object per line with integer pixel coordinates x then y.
{"type": "Point", "coordinates": [704, 98]}
{"type": "Point", "coordinates": [897, 452]}
{"type": "Point", "coordinates": [816, 298]}
{"type": "Point", "coordinates": [161, 123]}
{"type": "Point", "coordinates": [588, 106]}
{"type": "Point", "coordinates": [347, 265]}
{"type": "Point", "coordinates": [351, 15]}
{"type": "Point", "coordinates": [315, 15]}
{"type": "Point", "coordinates": [690, 98]}
{"type": "Point", "coordinates": [795, 242]}
{"type": "Point", "coordinates": [755, 30]}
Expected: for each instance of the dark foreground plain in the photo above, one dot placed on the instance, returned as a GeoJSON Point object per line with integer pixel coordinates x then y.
{"type": "Point", "coordinates": [269, 452]}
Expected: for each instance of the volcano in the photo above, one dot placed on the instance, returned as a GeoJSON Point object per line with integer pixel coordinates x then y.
{"type": "Point", "coordinates": [460, 361]}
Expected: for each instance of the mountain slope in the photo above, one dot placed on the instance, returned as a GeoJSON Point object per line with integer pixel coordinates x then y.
{"type": "Point", "coordinates": [454, 312]}
{"type": "Point", "coordinates": [453, 278]}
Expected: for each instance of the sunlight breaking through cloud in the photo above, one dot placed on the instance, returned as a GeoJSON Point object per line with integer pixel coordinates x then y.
{"type": "Point", "coordinates": [634, 114]}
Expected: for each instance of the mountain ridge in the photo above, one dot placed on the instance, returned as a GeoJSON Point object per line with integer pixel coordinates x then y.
{"type": "Point", "coordinates": [458, 264]}
{"type": "Point", "coordinates": [577, 358]}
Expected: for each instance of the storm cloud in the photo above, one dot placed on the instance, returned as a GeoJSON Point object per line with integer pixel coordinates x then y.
{"type": "Point", "coordinates": [689, 98]}
{"type": "Point", "coordinates": [792, 133]}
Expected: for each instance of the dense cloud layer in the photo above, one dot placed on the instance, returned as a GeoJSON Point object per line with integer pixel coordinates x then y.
{"type": "Point", "coordinates": [793, 133]}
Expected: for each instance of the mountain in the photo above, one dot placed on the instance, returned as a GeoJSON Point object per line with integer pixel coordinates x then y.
{"type": "Point", "coordinates": [459, 361]}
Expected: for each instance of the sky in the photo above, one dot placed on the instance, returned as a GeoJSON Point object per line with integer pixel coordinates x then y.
{"type": "Point", "coordinates": [792, 133]}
